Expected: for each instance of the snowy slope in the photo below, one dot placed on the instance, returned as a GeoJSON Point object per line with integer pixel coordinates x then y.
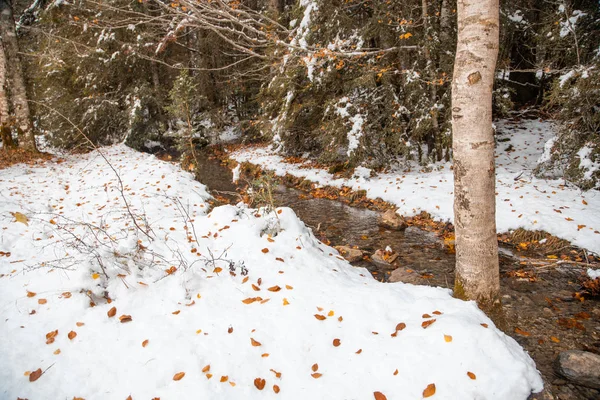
{"type": "Point", "coordinates": [523, 201]}
{"type": "Point", "coordinates": [314, 326]}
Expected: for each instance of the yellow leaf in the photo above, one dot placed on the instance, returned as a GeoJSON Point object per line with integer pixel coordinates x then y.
{"type": "Point", "coordinates": [178, 376]}
{"type": "Point", "coordinates": [285, 302]}
{"type": "Point", "coordinates": [330, 313]}
{"type": "Point", "coordinates": [429, 390]}
{"type": "Point", "coordinates": [95, 275]}
{"type": "Point", "coordinates": [19, 217]}
{"type": "Point", "coordinates": [448, 338]}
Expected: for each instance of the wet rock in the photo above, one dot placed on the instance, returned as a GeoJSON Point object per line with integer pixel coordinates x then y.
{"type": "Point", "coordinates": [384, 258]}
{"type": "Point", "coordinates": [350, 254]}
{"type": "Point", "coordinates": [580, 367]}
{"type": "Point", "coordinates": [402, 275]}
{"type": "Point", "coordinates": [391, 220]}
{"type": "Point", "coordinates": [545, 394]}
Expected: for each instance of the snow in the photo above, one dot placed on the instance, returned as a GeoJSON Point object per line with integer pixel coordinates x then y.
{"type": "Point", "coordinates": [588, 166]}
{"type": "Point", "coordinates": [593, 274]}
{"type": "Point", "coordinates": [357, 120]}
{"type": "Point", "coordinates": [60, 218]}
{"type": "Point", "coordinates": [523, 201]}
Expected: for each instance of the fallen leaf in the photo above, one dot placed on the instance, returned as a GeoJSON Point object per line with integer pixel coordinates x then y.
{"type": "Point", "coordinates": [176, 312]}
{"type": "Point", "coordinates": [320, 317]}
{"type": "Point", "coordinates": [217, 270]}
{"type": "Point", "coordinates": [208, 376]}
{"type": "Point", "coordinates": [584, 202]}
{"type": "Point", "coordinates": [316, 375]}
{"type": "Point", "coordinates": [232, 384]}
{"type": "Point", "coordinates": [42, 301]}
{"type": "Point", "coordinates": [145, 343]}
{"type": "Point", "coordinates": [437, 313]}
{"type": "Point", "coordinates": [256, 288]}
{"type": "Point", "coordinates": [112, 312]}
{"type": "Point", "coordinates": [31, 294]}
{"type": "Point", "coordinates": [522, 332]}
{"type": "Point", "coordinates": [429, 390]}
{"type": "Point", "coordinates": [400, 326]}
{"type": "Point", "coordinates": [277, 374]}
{"type": "Point", "coordinates": [255, 343]}
{"type": "Point", "coordinates": [484, 325]}
{"type": "Point", "coordinates": [425, 324]}
{"type": "Point", "coordinates": [224, 378]}
{"type": "Point", "coordinates": [330, 313]}
{"type": "Point", "coordinates": [336, 342]}
{"type": "Point", "coordinates": [125, 318]}
{"type": "Point", "coordinates": [426, 316]}
{"type": "Point", "coordinates": [35, 375]}
{"type": "Point", "coordinates": [555, 339]}
{"type": "Point", "coordinates": [250, 300]}
{"type": "Point", "coordinates": [448, 338]}
{"type": "Point", "coordinates": [286, 302]}
{"type": "Point", "coordinates": [279, 259]}
{"type": "Point", "coordinates": [79, 323]}
{"type": "Point", "coordinates": [95, 275]}
{"type": "Point", "coordinates": [206, 369]}
{"type": "Point", "coordinates": [245, 279]}
{"type": "Point", "coordinates": [230, 329]}
{"type": "Point", "coordinates": [274, 289]}
{"type": "Point", "coordinates": [315, 367]}
{"type": "Point", "coordinates": [22, 218]}
{"type": "Point", "coordinates": [396, 372]}
{"type": "Point", "coordinates": [471, 375]}
{"type": "Point", "coordinates": [276, 388]}
{"type": "Point", "coordinates": [259, 383]}
{"type": "Point", "coordinates": [379, 396]}
{"type": "Point", "coordinates": [66, 295]}
{"type": "Point", "coordinates": [264, 355]}
{"type": "Point", "coordinates": [265, 250]}
{"type": "Point", "coordinates": [358, 351]}
{"type": "Point", "coordinates": [72, 335]}
{"type": "Point", "coordinates": [50, 336]}
{"type": "Point", "coordinates": [57, 351]}
{"type": "Point", "coordinates": [178, 376]}
{"type": "Point", "coordinates": [288, 287]}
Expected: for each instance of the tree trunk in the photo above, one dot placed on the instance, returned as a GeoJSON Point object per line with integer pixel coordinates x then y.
{"type": "Point", "coordinates": [430, 69]}
{"type": "Point", "coordinates": [18, 91]}
{"type": "Point", "coordinates": [477, 271]}
{"type": "Point", "coordinates": [5, 125]}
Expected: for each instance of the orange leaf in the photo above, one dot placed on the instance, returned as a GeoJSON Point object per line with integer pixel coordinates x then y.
{"type": "Point", "coordinates": [288, 287]}
{"type": "Point", "coordinates": [316, 375]}
{"type": "Point", "coordinates": [315, 367]}
{"type": "Point", "coordinates": [265, 250]}
{"type": "Point", "coordinates": [277, 374]}
{"type": "Point", "coordinates": [400, 326]}
{"type": "Point", "coordinates": [426, 316]}
{"type": "Point", "coordinates": [429, 390]}
{"type": "Point", "coordinates": [336, 342]}
{"type": "Point", "coordinates": [320, 317]}
{"type": "Point", "coordinates": [256, 288]}
{"type": "Point", "coordinates": [396, 372]}
{"type": "Point", "coordinates": [379, 396]}
{"type": "Point", "coordinates": [72, 335]}
{"type": "Point", "coordinates": [259, 383]}
{"type": "Point", "coordinates": [31, 294]}
{"type": "Point", "coordinates": [79, 323]}
{"type": "Point", "coordinates": [255, 343]}
{"type": "Point", "coordinates": [425, 324]}
{"type": "Point", "coordinates": [584, 202]}
{"type": "Point", "coordinates": [484, 325]}
{"type": "Point", "coordinates": [206, 369]}
{"type": "Point", "coordinates": [522, 332]}
{"type": "Point", "coordinates": [230, 329]}
{"type": "Point", "coordinates": [437, 313]}
{"type": "Point", "coordinates": [264, 355]}
{"type": "Point", "coordinates": [245, 279]}
{"type": "Point", "coordinates": [42, 301]}
{"type": "Point", "coordinates": [250, 300]}
{"type": "Point", "coordinates": [358, 351]}
{"type": "Point", "coordinates": [112, 312]}
{"type": "Point", "coordinates": [448, 338]}
{"type": "Point", "coordinates": [330, 313]}
{"type": "Point", "coordinates": [208, 376]}
{"type": "Point", "coordinates": [276, 388]}
{"type": "Point", "coordinates": [125, 318]}
{"type": "Point", "coordinates": [57, 351]}
{"type": "Point", "coordinates": [145, 343]}
{"type": "Point", "coordinates": [285, 302]}
{"type": "Point", "coordinates": [471, 375]}
{"type": "Point", "coordinates": [224, 378]}
{"type": "Point", "coordinates": [176, 312]}
{"type": "Point", "coordinates": [35, 375]}
{"type": "Point", "coordinates": [178, 376]}
{"type": "Point", "coordinates": [217, 270]}
{"type": "Point", "coordinates": [555, 339]}
{"type": "Point", "coordinates": [274, 289]}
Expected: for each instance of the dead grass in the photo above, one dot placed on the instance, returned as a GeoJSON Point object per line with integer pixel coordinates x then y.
{"type": "Point", "coordinates": [10, 157]}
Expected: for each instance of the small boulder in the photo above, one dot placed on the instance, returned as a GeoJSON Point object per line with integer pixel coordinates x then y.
{"type": "Point", "coordinates": [580, 367]}
{"type": "Point", "coordinates": [384, 258]}
{"type": "Point", "coordinates": [402, 275]}
{"type": "Point", "coordinates": [391, 220]}
{"type": "Point", "coordinates": [350, 254]}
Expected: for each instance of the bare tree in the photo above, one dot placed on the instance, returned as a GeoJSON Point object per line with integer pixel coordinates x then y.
{"type": "Point", "coordinates": [477, 270]}
{"type": "Point", "coordinates": [5, 131]}
{"type": "Point", "coordinates": [17, 82]}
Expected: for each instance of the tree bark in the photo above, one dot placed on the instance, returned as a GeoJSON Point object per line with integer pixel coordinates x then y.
{"type": "Point", "coordinates": [5, 125]}
{"type": "Point", "coordinates": [477, 270]}
{"type": "Point", "coordinates": [17, 81]}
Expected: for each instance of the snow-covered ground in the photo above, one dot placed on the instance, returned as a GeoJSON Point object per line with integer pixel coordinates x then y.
{"type": "Point", "coordinates": [523, 201]}
{"type": "Point", "coordinates": [290, 319]}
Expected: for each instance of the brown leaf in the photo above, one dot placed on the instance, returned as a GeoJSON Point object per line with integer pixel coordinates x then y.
{"type": "Point", "coordinates": [396, 372]}
{"type": "Point", "coordinates": [279, 259]}
{"type": "Point", "coordinates": [484, 325]}
{"type": "Point", "coordinates": [112, 312]}
{"type": "Point", "coordinates": [42, 301]}
{"type": "Point", "coordinates": [276, 388]}
{"type": "Point", "coordinates": [79, 324]}
{"type": "Point", "coordinates": [316, 375]}
{"type": "Point", "coordinates": [315, 367]}
{"type": "Point", "coordinates": [57, 351]}
{"type": "Point", "coordinates": [206, 368]}
{"type": "Point", "coordinates": [72, 335]}
{"type": "Point", "coordinates": [145, 343]}
{"type": "Point", "coordinates": [259, 383]}
{"type": "Point", "coordinates": [400, 326]}
{"type": "Point", "coordinates": [129, 398]}
{"type": "Point", "coordinates": [320, 317]}
{"type": "Point", "coordinates": [277, 374]}
{"type": "Point", "coordinates": [31, 294]}
{"type": "Point", "coordinates": [245, 279]}
{"type": "Point", "coordinates": [265, 250]}
{"type": "Point", "coordinates": [437, 313]}
{"type": "Point", "coordinates": [178, 376]}
{"type": "Point", "coordinates": [425, 324]}
{"type": "Point", "coordinates": [256, 288]}
{"type": "Point", "coordinates": [250, 300]}
{"type": "Point", "coordinates": [379, 396]}
{"type": "Point", "coordinates": [255, 343]}
{"type": "Point", "coordinates": [274, 289]}
{"type": "Point", "coordinates": [358, 351]}
{"type": "Point", "coordinates": [176, 312]}
{"type": "Point", "coordinates": [224, 378]}
{"type": "Point", "coordinates": [429, 390]}
{"type": "Point", "coordinates": [230, 329]}
{"type": "Point", "coordinates": [336, 342]}
{"type": "Point", "coordinates": [35, 375]}
{"type": "Point", "coordinates": [426, 316]}
{"type": "Point", "coordinates": [125, 318]}
{"type": "Point", "coordinates": [471, 375]}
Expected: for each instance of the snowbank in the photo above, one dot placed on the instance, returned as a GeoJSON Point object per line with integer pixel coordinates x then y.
{"type": "Point", "coordinates": [523, 201]}
{"type": "Point", "coordinates": [291, 312]}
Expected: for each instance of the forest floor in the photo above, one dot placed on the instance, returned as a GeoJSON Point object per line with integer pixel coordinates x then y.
{"type": "Point", "coordinates": [131, 284]}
